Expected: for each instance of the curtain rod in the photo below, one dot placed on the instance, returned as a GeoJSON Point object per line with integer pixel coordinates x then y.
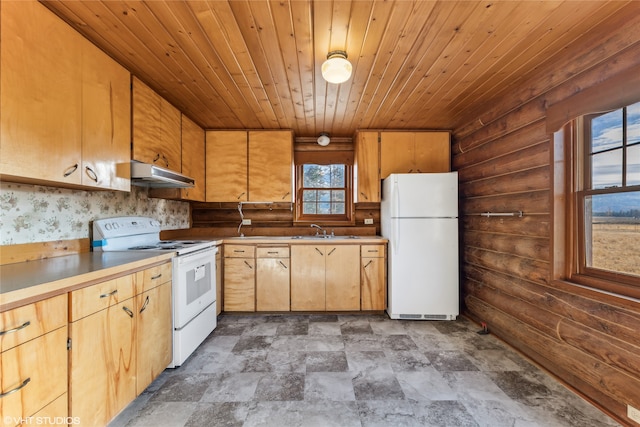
{"type": "Point", "coordinates": [519, 214]}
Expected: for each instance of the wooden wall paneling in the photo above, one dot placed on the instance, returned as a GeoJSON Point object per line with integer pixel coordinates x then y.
{"type": "Point", "coordinates": [536, 178]}
{"type": "Point", "coordinates": [528, 225]}
{"type": "Point", "coordinates": [526, 247]}
{"type": "Point", "coordinates": [534, 270]}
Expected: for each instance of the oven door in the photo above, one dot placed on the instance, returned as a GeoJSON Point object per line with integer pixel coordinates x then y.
{"type": "Point", "coordinates": [194, 285]}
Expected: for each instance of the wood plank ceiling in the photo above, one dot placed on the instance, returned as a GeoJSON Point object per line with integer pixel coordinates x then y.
{"type": "Point", "coordinates": [254, 64]}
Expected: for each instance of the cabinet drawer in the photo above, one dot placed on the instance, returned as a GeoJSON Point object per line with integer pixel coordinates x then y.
{"type": "Point", "coordinates": [273, 252]}
{"type": "Point", "coordinates": [239, 251]}
{"type": "Point", "coordinates": [154, 276]}
{"type": "Point", "coordinates": [372, 251]}
{"type": "Point", "coordinates": [86, 301]}
{"type": "Point", "coordinates": [30, 321]}
{"type": "Point", "coordinates": [37, 371]}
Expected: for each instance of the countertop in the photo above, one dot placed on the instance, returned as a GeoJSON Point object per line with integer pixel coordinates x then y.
{"type": "Point", "coordinates": [26, 282]}
{"type": "Point", "coordinates": [309, 240]}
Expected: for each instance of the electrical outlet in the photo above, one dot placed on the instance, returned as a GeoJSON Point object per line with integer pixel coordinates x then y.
{"type": "Point", "coordinates": [368, 221]}
{"type": "Point", "coordinates": [633, 413]}
{"type": "Point", "coordinates": [246, 221]}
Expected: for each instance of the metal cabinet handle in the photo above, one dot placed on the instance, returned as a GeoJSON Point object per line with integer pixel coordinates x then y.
{"type": "Point", "coordinates": [238, 251]}
{"type": "Point", "coordinates": [146, 302]}
{"type": "Point", "coordinates": [367, 264]}
{"type": "Point", "coordinates": [70, 170]}
{"type": "Point", "coordinates": [241, 194]}
{"type": "Point", "coordinates": [249, 265]}
{"type": "Point", "coordinates": [283, 264]}
{"type": "Point", "coordinates": [319, 251]}
{"type": "Point", "coordinates": [156, 158]}
{"type": "Point", "coordinates": [157, 276]}
{"type": "Point", "coordinates": [109, 294]}
{"type": "Point", "coordinates": [91, 173]}
{"type": "Point", "coordinates": [286, 194]}
{"type": "Point", "coordinates": [24, 383]}
{"type": "Point", "coordinates": [16, 329]}
{"type": "Point", "coordinates": [166, 161]}
{"type": "Point", "coordinates": [273, 252]}
{"type": "Point", "coordinates": [372, 250]}
{"type": "Point", "coordinates": [364, 195]}
{"type": "Point", "coordinates": [128, 311]}
{"type": "Point", "coordinates": [331, 251]}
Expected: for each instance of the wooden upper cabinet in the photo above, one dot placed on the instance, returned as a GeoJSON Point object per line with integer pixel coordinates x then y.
{"type": "Point", "coordinates": [156, 129]}
{"type": "Point", "coordinates": [41, 95]}
{"type": "Point", "coordinates": [249, 166]}
{"type": "Point", "coordinates": [106, 121]}
{"type": "Point", "coordinates": [193, 159]}
{"type": "Point", "coordinates": [414, 152]}
{"type": "Point", "coordinates": [367, 150]}
{"type": "Point", "coordinates": [65, 104]}
{"type": "Point", "coordinates": [270, 166]}
{"type": "Point", "coordinates": [226, 166]}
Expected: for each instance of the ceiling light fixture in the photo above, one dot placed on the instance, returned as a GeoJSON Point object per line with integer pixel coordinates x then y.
{"type": "Point", "coordinates": [336, 69]}
{"type": "Point", "coordinates": [324, 139]}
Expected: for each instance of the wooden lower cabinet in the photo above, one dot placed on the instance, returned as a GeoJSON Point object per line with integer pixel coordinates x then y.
{"type": "Point", "coordinates": [154, 330]}
{"type": "Point", "coordinates": [325, 277]}
{"type": "Point", "coordinates": [272, 279]}
{"type": "Point", "coordinates": [121, 346]}
{"type": "Point", "coordinates": [373, 277]}
{"type": "Point", "coordinates": [102, 363]}
{"type": "Point", "coordinates": [33, 362]}
{"type": "Point", "coordinates": [239, 278]}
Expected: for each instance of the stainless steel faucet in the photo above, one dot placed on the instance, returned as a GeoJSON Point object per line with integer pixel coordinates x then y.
{"type": "Point", "coordinates": [324, 232]}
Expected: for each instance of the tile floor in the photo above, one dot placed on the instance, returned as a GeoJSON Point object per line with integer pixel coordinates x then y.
{"type": "Point", "coordinates": [355, 370]}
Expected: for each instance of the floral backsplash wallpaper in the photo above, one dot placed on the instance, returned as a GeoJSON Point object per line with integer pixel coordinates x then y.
{"type": "Point", "coordinates": [32, 213]}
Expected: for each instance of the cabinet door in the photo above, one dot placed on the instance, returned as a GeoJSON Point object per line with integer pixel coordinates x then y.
{"type": "Point", "coordinates": [397, 150]}
{"type": "Point", "coordinates": [36, 372]}
{"type": "Point", "coordinates": [270, 166]}
{"type": "Point", "coordinates": [40, 95]}
{"type": "Point", "coordinates": [433, 152]}
{"type": "Point", "coordinates": [367, 167]}
{"type": "Point", "coordinates": [308, 277]}
{"type": "Point", "coordinates": [239, 284]}
{"type": "Point", "coordinates": [372, 273]}
{"type": "Point", "coordinates": [106, 121]}
{"type": "Point", "coordinates": [343, 277]}
{"type": "Point", "coordinates": [226, 166]}
{"type": "Point", "coordinates": [154, 330]}
{"type": "Point", "coordinates": [272, 284]}
{"type": "Point", "coordinates": [193, 153]}
{"type": "Point", "coordinates": [156, 129]}
{"type": "Point", "coordinates": [102, 363]}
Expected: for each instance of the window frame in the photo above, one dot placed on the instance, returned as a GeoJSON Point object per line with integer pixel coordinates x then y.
{"type": "Point", "coordinates": [577, 138]}
{"type": "Point", "coordinates": [324, 158]}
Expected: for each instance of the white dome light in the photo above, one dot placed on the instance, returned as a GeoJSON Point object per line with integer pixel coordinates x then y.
{"type": "Point", "coordinates": [336, 69]}
{"type": "Point", "coordinates": [324, 139]}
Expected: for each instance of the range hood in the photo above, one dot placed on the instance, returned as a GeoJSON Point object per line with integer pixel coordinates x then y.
{"type": "Point", "coordinates": [147, 175]}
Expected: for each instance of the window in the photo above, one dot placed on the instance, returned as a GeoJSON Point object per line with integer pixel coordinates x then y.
{"type": "Point", "coordinates": [608, 195]}
{"type": "Point", "coordinates": [323, 187]}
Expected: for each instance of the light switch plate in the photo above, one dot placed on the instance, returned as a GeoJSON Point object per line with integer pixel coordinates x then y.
{"type": "Point", "coordinates": [368, 221]}
{"type": "Point", "coordinates": [633, 413]}
{"type": "Point", "coordinates": [246, 221]}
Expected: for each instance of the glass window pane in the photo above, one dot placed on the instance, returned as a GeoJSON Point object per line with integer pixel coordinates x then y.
{"type": "Point", "coordinates": [606, 131]}
{"type": "Point", "coordinates": [337, 176]}
{"type": "Point", "coordinates": [338, 208]}
{"type": "Point", "coordinates": [633, 165]}
{"type": "Point", "coordinates": [324, 195]}
{"type": "Point", "coordinates": [324, 208]}
{"type": "Point", "coordinates": [633, 123]}
{"type": "Point", "coordinates": [316, 176]}
{"type": "Point", "coordinates": [309, 195]}
{"type": "Point", "coordinates": [606, 169]}
{"type": "Point", "coordinates": [338, 195]}
{"type": "Point", "coordinates": [309, 208]}
{"type": "Point", "coordinates": [612, 232]}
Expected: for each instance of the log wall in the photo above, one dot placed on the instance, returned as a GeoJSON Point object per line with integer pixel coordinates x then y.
{"type": "Point", "coordinates": [503, 154]}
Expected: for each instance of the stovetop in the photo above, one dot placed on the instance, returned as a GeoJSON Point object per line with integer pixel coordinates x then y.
{"type": "Point", "coordinates": [138, 234]}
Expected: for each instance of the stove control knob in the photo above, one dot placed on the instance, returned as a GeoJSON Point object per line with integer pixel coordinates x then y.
{"type": "Point", "coordinates": [107, 226]}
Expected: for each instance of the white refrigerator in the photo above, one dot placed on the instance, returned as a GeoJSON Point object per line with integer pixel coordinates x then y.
{"type": "Point", "coordinates": [419, 216]}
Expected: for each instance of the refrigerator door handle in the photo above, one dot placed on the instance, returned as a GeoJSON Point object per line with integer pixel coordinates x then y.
{"type": "Point", "coordinates": [395, 230]}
